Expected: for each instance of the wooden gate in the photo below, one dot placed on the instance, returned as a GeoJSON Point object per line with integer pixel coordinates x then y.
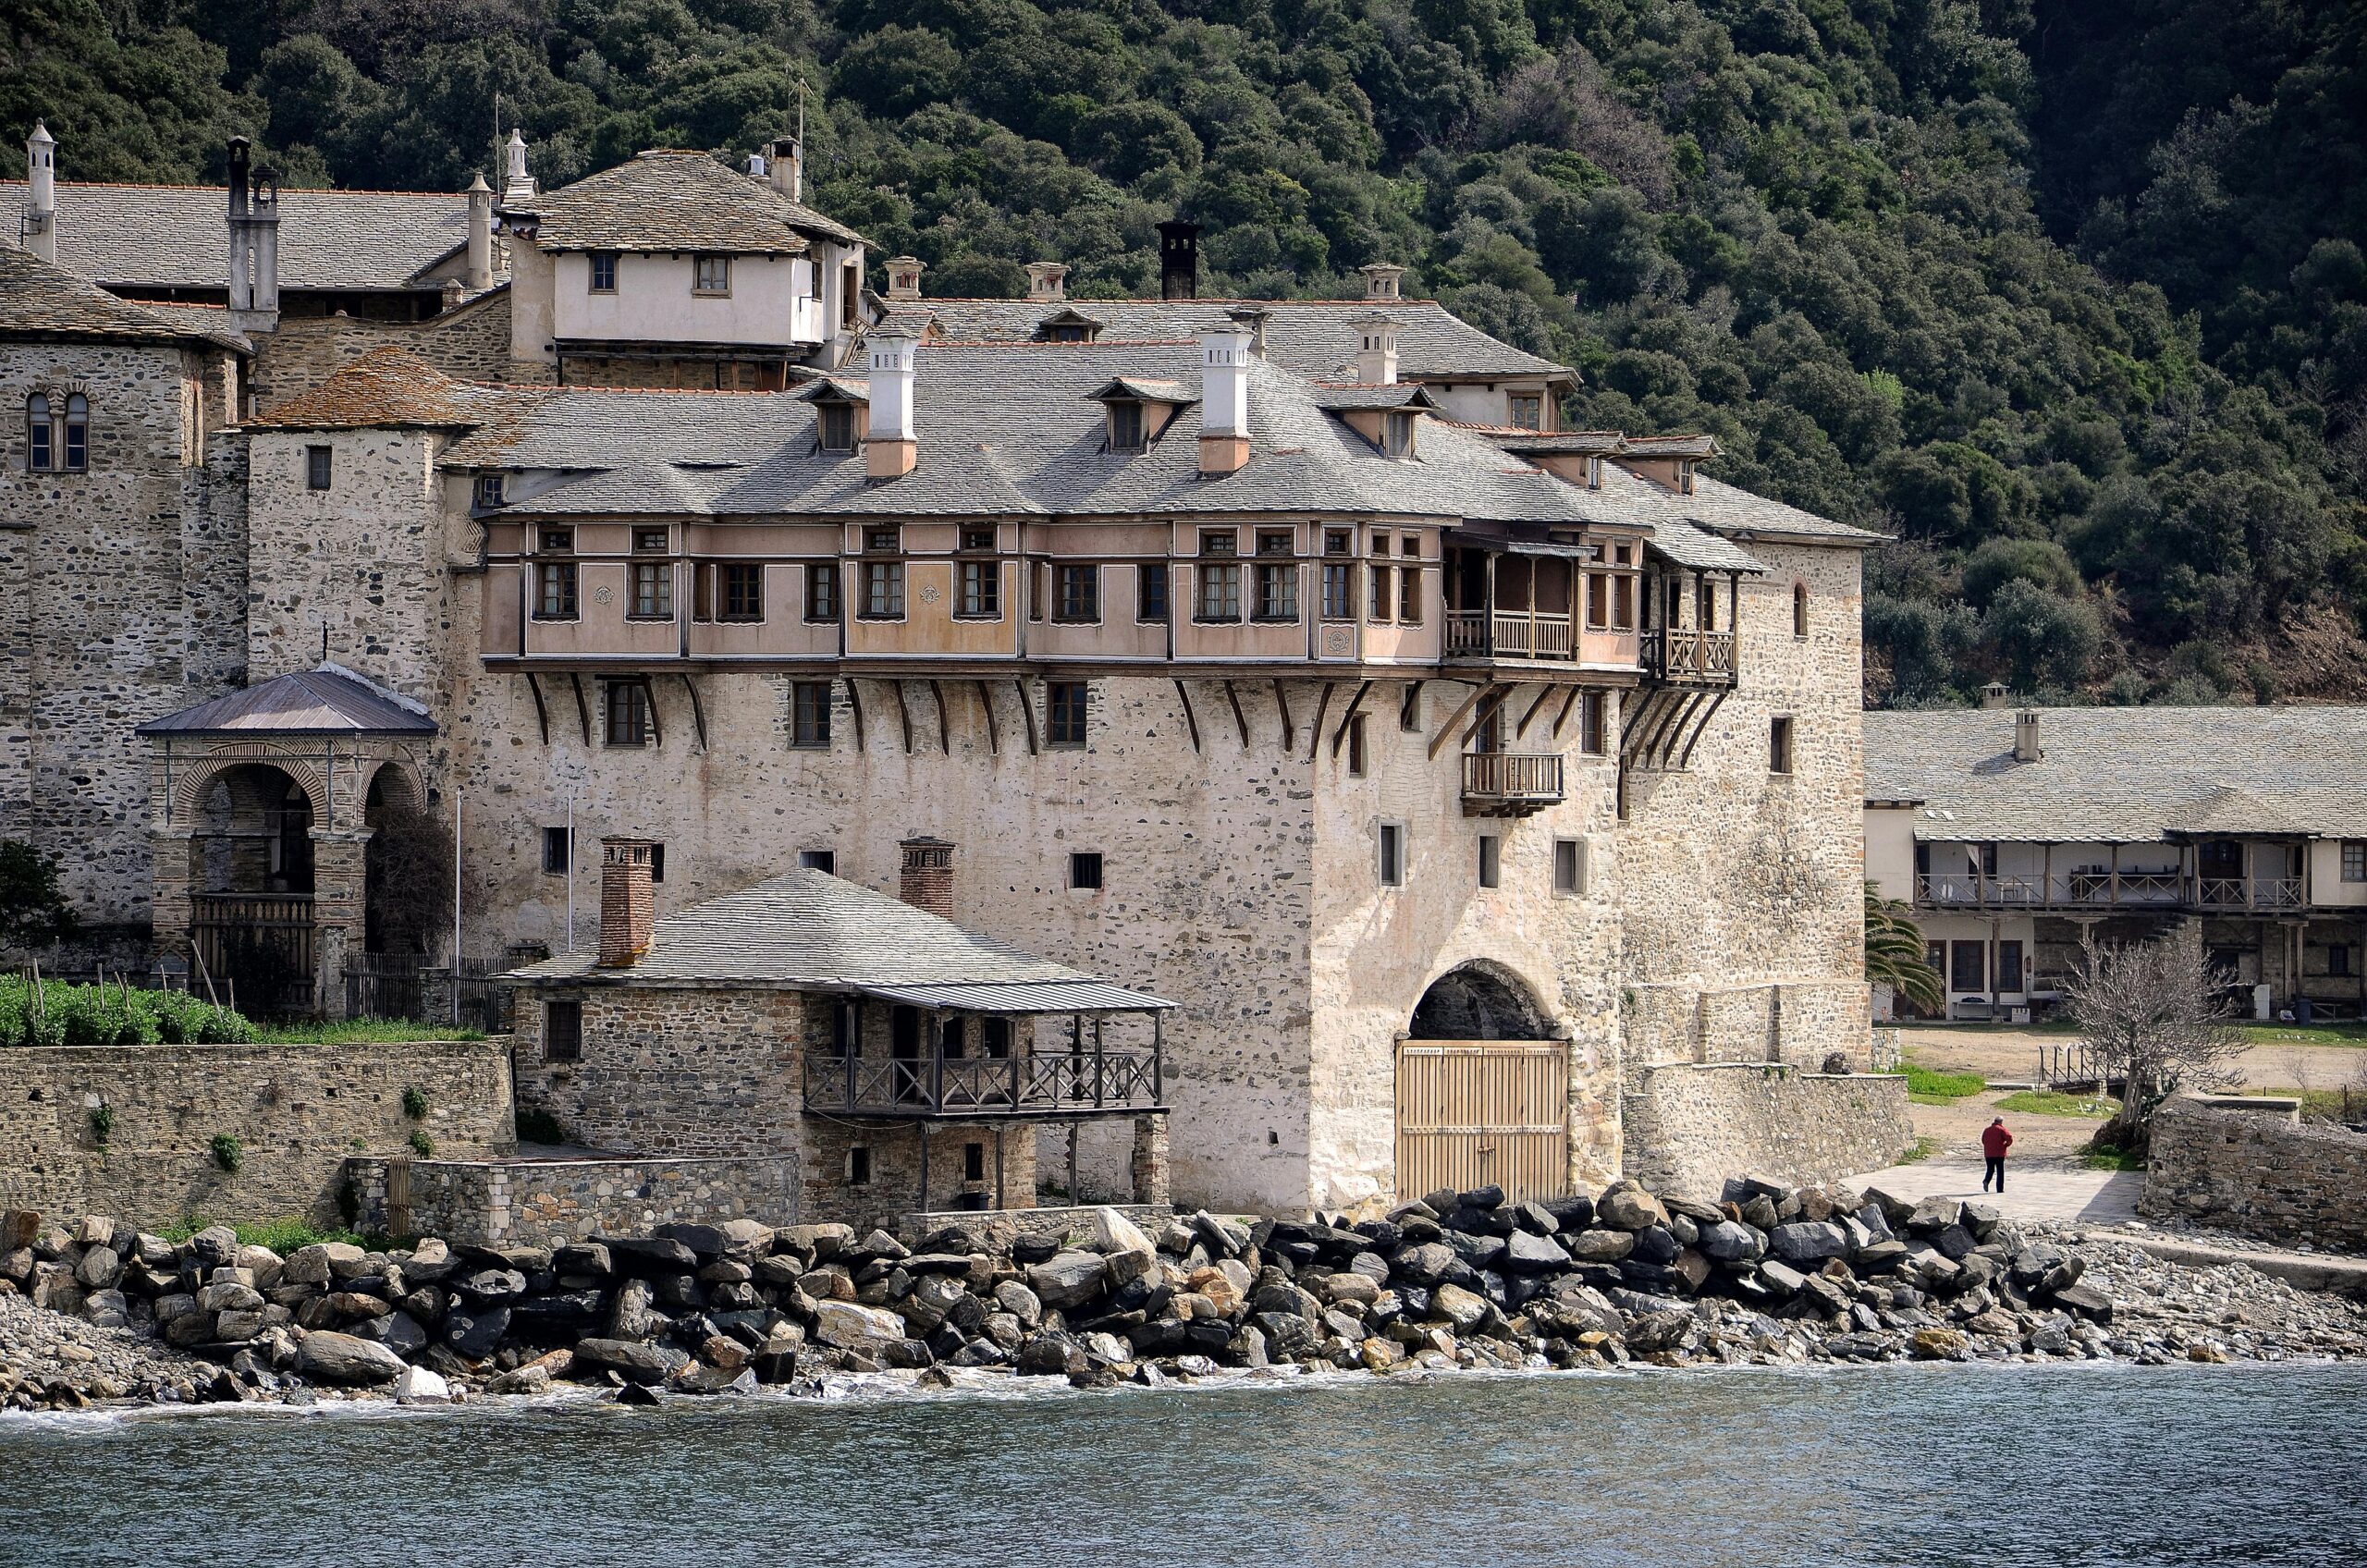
{"type": "Point", "coordinates": [1476, 1114]}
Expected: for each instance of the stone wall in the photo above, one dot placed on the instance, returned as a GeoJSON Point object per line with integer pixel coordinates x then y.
{"type": "Point", "coordinates": [297, 1111]}
{"type": "Point", "coordinates": [671, 1073]}
{"type": "Point", "coordinates": [470, 342]}
{"type": "Point", "coordinates": [2260, 1173]}
{"type": "Point", "coordinates": [1690, 1127]}
{"type": "Point", "coordinates": [537, 1202]}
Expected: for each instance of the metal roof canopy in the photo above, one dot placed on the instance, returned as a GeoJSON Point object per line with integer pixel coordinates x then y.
{"type": "Point", "coordinates": [1020, 996]}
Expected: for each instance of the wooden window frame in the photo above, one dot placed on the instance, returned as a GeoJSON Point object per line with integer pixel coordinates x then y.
{"type": "Point", "coordinates": [1153, 603]}
{"type": "Point", "coordinates": [1067, 714]}
{"type": "Point", "coordinates": [1339, 590]}
{"type": "Point", "coordinates": [883, 590]}
{"type": "Point", "coordinates": [1594, 723]}
{"type": "Point", "coordinates": [601, 262]}
{"type": "Point", "coordinates": [1076, 592]}
{"type": "Point", "coordinates": [809, 716]}
{"type": "Point", "coordinates": [556, 592]}
{"type": "Point", "coordinates": [559, 854]}
{"type": "Point", "coordinates": [822, 593]}
{"type": "Point", "coordinates": [701, 287]}
{"type": "Point", "coordinates": [625, 705]}
{"type": "Point", "coordinates": [563, 1042]}
{"type": "Point", "coordinates": [741, 598]}
{"type": "Point", "coordinates": [1277, 593]}
{"type": "Point", "coordinates": [978, 590]}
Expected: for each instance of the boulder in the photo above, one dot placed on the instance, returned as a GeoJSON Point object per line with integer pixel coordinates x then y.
{"type": "Point", "coordinates": [1781, 1279]}
{"type": "Point", "coordinates": [429, 1262]}
{"type": "Point", "coordinates": [649, 1256]}
{"type": "Point", "coordinates": [1809, 1241]}
{"type": "Point", "coordinates": [475, 1333]}
{"type": "Point", "coordinates": [745, 1240]}
{"type": "Point", "coordinates": [316, 1265]}
{"type": "Point", "coordinates": [1424, 1264]}
{"type": "Point", "coordinates": [1460, 1307]}
{"type": "Point", "coordinates": [398, 1331]}
{"type": "Point", "coordinates": [1940, 1344]}
{"type": "Point", "coordinates": [632, 1315]}
{"type": "Point", "coordinates": [637, 1363]}
{"type": "Point", "coordinates": [1626, 1207]}
{"type": "Point", "coordinates": [1730, 1241]}
{"type": "Point", "coordinates": [1656, 1245]}
{"type": "Point", "coordinates": [1481, 1197]}
{"type": "Point", "coordinates": [1221, 1237]}
{"type": "Point", "coordinates": [101, 1266]}
{"type": "Point", "coordinates": [417, 1385]}
{"type": "Point", "coordinates": [850, 1326]}
{"type": "Point", "coordinates": [1114, 1232]}
{"type": "Point", "coordinates": [344, 1358]}
{"type": "Point", "coordinates": [1934, 1215]}
{"type": "Point", "coordinates": [2085, 1299]}
{"type": "Point", "coordinates": [1530, 1252]}
{"type": "Point", "coordinates": [1066, 1279]}
{"type": "Point", "coordinates": [492, 1284]}
{"type": "Point", "coordinates": [228, 1298]}
{"type": "Point", "coordinates": [1601, 1246]}
{"type": "Point", "coordinates": [587, 1259]}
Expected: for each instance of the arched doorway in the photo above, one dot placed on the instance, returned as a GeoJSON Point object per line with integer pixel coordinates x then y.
{"type": "Point", "coordinates": [1483, 1090]}
{"type": "Point", "coordinates": [250, 868]}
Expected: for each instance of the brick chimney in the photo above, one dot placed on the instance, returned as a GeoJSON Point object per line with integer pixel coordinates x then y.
{"type": "Point", "coordinates": [1048, 281]}
{"type": "Point", "coordinates": [41, 193]}
{"type": "Point", "coordinates": [1178, 260]}
{"type": "Point", "coordinates": [892, 448]}
{"type": "Point", "coordinates": [927, 876]}
{"type": "Point", "coordinates": [628, 901]}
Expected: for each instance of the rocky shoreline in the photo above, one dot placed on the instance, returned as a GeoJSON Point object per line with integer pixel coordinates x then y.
{"type": "Point", "coordinates": [94, 1315]}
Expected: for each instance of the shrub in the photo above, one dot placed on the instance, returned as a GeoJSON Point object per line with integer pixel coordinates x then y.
{"type": "Point", "coordinates": [101, 1124]}
{"type": "Point", "coordinates": [414, 1102]}
{"type": "Point", "coordinates": [229, 1153]}
{"type": "Point", "coordinates": [422, 1146]}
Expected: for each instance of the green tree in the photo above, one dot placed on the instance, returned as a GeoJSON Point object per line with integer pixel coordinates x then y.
{"type": "Point", "coordinates": [33, 912]}
{"type": "Point", "coordinates": [1895, 953]}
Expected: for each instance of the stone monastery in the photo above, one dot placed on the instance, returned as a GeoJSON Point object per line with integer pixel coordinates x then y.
{"type": "Point", "coordinates": [1321, 779]}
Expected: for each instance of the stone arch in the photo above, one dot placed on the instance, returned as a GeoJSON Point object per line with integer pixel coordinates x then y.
{"type": "Point", "coordinates": [194, 782]}
{"type": "Point", "coordinates": [1482, 999]}
{"type": "Point", "coordinates": [249, 824]}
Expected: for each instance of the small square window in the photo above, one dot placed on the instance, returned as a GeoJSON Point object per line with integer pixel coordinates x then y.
{"type": "Point", "coordinates": [1492, 860]}
{"type": "Point", "coordinates": [555, 852]}
{"type": "Point", "coordinates": [1085, 871]}
{"type": "Point", "coordinates": [881, 541]}
{"type": "Point", "coordinates": [604, 272]}
{"type": "Point", "coordinates": [1065, 713]}
{"type": "Point", "coordinates": [858, 1167]}
{"type": "Point", "coordinates": [317, 468]}
{"type": "Point", "coordinates": [744, 591]}
{"type": "Point", "coordinates": [978, 538]}
{"type": "Point", "coordinates": [713, 274]}
{"type": "Point", "coordinates": [648, 541]}
{"type": "Point", "coordinates": [818, 859]}
{"type": "Point", "coordinates": [563, 1031]}
{"type": "Point", "coordinates": [1527, 410]}
{"type": "Point", "coordinates": [2354, 860]}
{"type": "Point", "coordinates": [1219, 541]}
{"type": "Point", "coordinates": [1150, 592]}
{"type": "Point", "coordinates": [810, 717]}
{"type": "Point", "coordinates": [488, 490]}
{"type": "Point", "coordinates": [836, 421]}
{"type": "Point", "coordinates": [822, 590]}
{"type": "Point", "coordinates": [555, 541]}
{"type": "Point", "coordinates": [1391, 846]}
{"type": "Point", "coordinates": [1275, 542]}
{"type": "Point", "coordinates": [1338, 542]}
{"type": "Point", "coordinates": [1570, 867]}
{"type": "Point", "coordinates": [1779, 743]}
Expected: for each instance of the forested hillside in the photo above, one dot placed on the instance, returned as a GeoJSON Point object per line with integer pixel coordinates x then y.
{"type": "Point", "coordinates": [2068, 294]}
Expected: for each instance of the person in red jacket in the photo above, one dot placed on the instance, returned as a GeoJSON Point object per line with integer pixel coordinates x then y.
{"type": "Point", "coordinates": [1995, 1142]}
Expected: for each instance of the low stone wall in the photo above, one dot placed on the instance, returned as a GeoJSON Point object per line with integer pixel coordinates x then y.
{"type": "Point", "coordinates": [541, 1203]}
{"type": "Point", "coordinates": [2261, 1174]}
{"type": "Point", "coordinates": [999, 1228]}
{"type": "Point", "coordinates": [1688, 1125]}
{"type": "Point", "coordinates": [295, 1111]}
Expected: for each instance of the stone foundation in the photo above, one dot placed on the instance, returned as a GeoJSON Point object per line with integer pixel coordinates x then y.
{"type": "Point", "coordinates": [1688, 1127]}
{"type": "Point", "coordinates": [542, 1203]}
{"type": "Point", "coordinates": [2258, 1172]}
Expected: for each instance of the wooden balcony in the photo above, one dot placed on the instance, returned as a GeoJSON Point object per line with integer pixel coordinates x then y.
{"type": "Point", "coordinates": [2132, 890]}
{"type": "Point", "coordinates": [1511, 783]}
{"type": "Point", "coordinates": [1510, 634]}
{"type": "Point", "coordinates": [1690, 656]}
{"type": "Point", "coordinates": [1042, 1086]}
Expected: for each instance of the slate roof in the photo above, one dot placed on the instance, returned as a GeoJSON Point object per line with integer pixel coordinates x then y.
{"type": "Point", "coordinates": [178, 236]}
{"type": "Point", "coordinates": [1740, 514]}
{"type": "Point", "coordinates": [813, 931]}
{"type": "Point", "coordinates": [1342, 396]}
{"type": "Point", "coordinates": [43, 302]}
{"type": "Point", "coordinates": [389, 387]}
{"type": "Point", "coordinates": [1315, 337]}
{"type": "Point", "coordinates": [2125, 774]}
{"type": "Point", "coordinates": [675, 201]}
{"type": "Point", "coordinates": [327, 701]}
{"type": "Point", "coordinates": [1700, 548]}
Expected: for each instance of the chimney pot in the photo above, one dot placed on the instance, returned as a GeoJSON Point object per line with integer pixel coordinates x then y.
{"type": "Point", "coordinates": [516, 185]}
{"type": "Point", "coordinates": [785, 167]}
{"type": "Point", "coordinates": [926, 881]}
{"type": "Point", "coordinates": [891, 449]}
{"type": "Point", "coordinates": [1048, 281]}
{"type": "Point", "coordinates": [480, 263]}
{"type": "Point", "coordinates": [1178, 260]}
{"type": "Point", "coordinates": [1224, 396]}
{"type": "Point", "coordinates": [1995, 695]}
{"type": "Point", "coordinates": [1382, 280]}
{"type": "Point", "coordinates": [628, 901]}
{"type": "Point", "coordinates": [41, 193]}
{"type": "Point", "coordinates": [2026, 746]}
{"type": "Point", "coordinates": [1376, 350]}
{"type": "Point", "coordinates": [904, 276]}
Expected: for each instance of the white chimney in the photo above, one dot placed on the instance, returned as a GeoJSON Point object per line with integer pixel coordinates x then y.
{"type": "Point", "coordinates": [2026, 746]}
{"type": "Point", "coordinates": [892, 448]}
{"type": "Point", "coordinates": [516, 185]}
{"type": "Point", "coordinates": [1382, 279]}
{"type": "Point", "coordinates": [480, 272]}
{"type": "Point", "coordinates": [904, 276]}
{"type": "Point", "coordinates": [785, 167]}
{"type": "Point", "coordinates": [756, 165]}
{"type": "Point", "coordinates": [41, 193]}
{"type": "Point", "coordinates": [1048, 281]}
{"type": "Point", "coordinates": [1224, 396]}
{"type": "Point", "coordinates": [1376, 350]}
{"type": "Point", "coordinates": [267, 243]}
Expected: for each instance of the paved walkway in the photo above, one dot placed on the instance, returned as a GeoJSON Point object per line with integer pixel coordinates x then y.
{"type": "Point", "coordinates": [2035, 1189]}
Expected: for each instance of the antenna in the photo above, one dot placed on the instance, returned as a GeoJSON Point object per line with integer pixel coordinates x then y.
{"type": "Point", "coordinates": [800, 111]}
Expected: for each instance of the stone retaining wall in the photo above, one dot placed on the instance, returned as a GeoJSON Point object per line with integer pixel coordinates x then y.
{"type": "Point", "coordinates": [297, 1113]}
{"type": "Point", "coordinates": [542, 1203]}
{"type": "Point", "coordinates": [2260, 1175]}
{"type": "Point", "coordinates": [1688, 1126]}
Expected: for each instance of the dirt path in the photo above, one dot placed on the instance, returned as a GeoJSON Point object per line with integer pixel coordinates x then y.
{"type": "Point", "coordinates": [2011, 1056]}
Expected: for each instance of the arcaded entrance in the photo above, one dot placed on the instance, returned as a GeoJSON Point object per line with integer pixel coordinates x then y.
{"type": "Point", "coordinates": [1483, 1091]}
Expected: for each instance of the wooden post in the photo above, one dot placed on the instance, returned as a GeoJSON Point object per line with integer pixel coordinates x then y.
{"type": "Point", "coordinates": [1072, 1197]}
{"type": "Point", "coordinates": [999, 1193]}
{"type": "Point", "coordinates": [1099, 1065]}
{"type": "Point", "coordinates": [1158, 1048]}
{"type": "Point", "coordinates": [923, 1205]}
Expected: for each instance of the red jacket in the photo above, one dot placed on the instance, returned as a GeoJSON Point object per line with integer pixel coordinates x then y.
{"type": "Point", "coordinates": [1995, 1141]}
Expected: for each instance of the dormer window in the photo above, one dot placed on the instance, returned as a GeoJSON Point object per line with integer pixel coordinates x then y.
{"type": "Point", "coordinates": [1685, 479]}
{"type": "Point", "coordinates": [1070, 325]}
{"type": "Point", "coordinates": [1067, 333]}
{"type": "Point", "coordinates": [1125, 427]}
{"type": "Point", "coordinates": [1397, 435]}
{"type": "Point", "coordinates": [711, 275]}
{"type": "Point", "coordinates": [1527, 410]}
{"type": "Point", "coordinates": [488, 493]}
{"type": "Point", "coordinates": [604, 272]}
{"type": "Point", "coordinates": [838, 427]}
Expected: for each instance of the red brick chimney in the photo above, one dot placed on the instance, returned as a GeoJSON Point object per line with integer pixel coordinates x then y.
{"type": "Point", "coordinates": [628, 901]}
{"type": "Point", "coordinates": [928, 875]}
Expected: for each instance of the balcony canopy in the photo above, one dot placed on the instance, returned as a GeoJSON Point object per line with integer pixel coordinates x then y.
{"type": "Point", "coordinates": [1020, 997]}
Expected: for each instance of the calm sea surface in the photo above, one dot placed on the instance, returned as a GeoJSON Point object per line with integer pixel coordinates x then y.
{"type": "Point", "coordinates": [1917, 1466]}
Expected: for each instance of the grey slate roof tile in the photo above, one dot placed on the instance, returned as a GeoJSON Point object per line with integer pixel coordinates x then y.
{"type": "Point", "coordinates": [327, 701]}
{"type": "Point", "coordinates": [675, 201]}
{"type": "Point", "coordinates": [41, 300]}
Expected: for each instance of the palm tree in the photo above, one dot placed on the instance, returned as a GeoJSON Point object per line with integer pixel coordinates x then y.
{"type": "Point", "coordinates": [1894, 954]}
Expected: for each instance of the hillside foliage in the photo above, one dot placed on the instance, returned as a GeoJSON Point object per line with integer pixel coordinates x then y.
{"type": "Point", "coordinates": [2068, 294]}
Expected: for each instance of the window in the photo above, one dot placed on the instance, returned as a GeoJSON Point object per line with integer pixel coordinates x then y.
{"type": "Point", "coordinates": [818, 859]}
{"type": "Point", "coordinates": [810, 715]}
{"type": "Point", "coordinates": [1593, 723]}
{"type": "Point", "coordinates": [1966, 966]}
{"type": "Point", "coordinates": [1276, 542]}
{"type": "Point", "coordinates": [1085, 871]}
{"type": "Point", "coordinates": [882, 540]}
{"type": "Point", "coordinates": [555, 852]}
{"type": "Point", "coordinates": [658, 863]}
{"type": "Point", "coordinates": [1623, 604]}
{"type": "Point", "coordinates": [822, 590]}
{"type": "Point", "coordinates": [1706, 606]}
{"type": "Point", "coordinates": [555, 541]}
{"type": "Point", "coordinates": [563, 1031]}
{"type": "Point", "coordinates": [1409, 594]}
{"type": "Point", "coordinates": [628, 713]}
{"type": "Point", "coordinates": [981, 589]}
{"type": "Point", "coordinates": [1125, 427]}
{"type": "Point", "coordinates": [604, 272]}
{"type": "Point", "coordinates": [1570, 867]}
{"type": "Point", "coordinates": [1397, 435]}
{"type": "Point", "coordinates": [978, 539]}
{"type": "Point", "coordinates": [2338, 958]}
{"type": "Point", "coordinates": [1598, 600]}
{"type": "Point", "coordinates": [1277, 591]}
{"type": "Point", "coordinates": [317, 468]}
{"type": "Point", "coordinates": [838, 427]}
{"type": "Point", "coordinates": [1356, 746]}
{"type": "Point", "coordinates": [711, 275]}
{"type": "Point", "coordinates": [653, 590]}
{"type": "Point", "coordinates": [2354, 860]}
{"type": "Point", "coordinates": [744, 591]}
{"type": "Point", "coordinates": [1492, 860]}
{"type": "Point", "coordinates": [858, 1167]}
{"type": "Point", "coordinates": [1779, 744]}
{"type": "Point", "coordinates": [1799, 609]}
{"type": "Point", "coordinates": [1150, 592]}
{"type": "Point", "coordinates": [974, 1162]}
{"type": "Point", "coordinates": [2009, 966]}
{"type": "Point", "coordinates": [1339, 591]}
{"type": "Point", "coordinates": [1382, 603]}
{"type": "Point", "coordinates": [1409, 712]}
{"type": "Point", "coordinates": [555, 598]}
{"type": "Point", "coordinates": [1338, 542]}
{"type": "Point", "coordinates": [40, 436]}
{"type": "Point", "coordinates": [1076, 592]}
{"type": "Point", "coordinates": [76, 457]}
{"type": "Point", "coordinates": [850, 295]}
{"type": "Point", "coordinates": [883, 590]}
{"type": "Point", "coordinates": [1220, 593]}
{"type": "Point", "coordinates": [648, 541]}
{"type": "Point", "coordinates": [1527, 410]}
{"type": "Point", "coordinates": [1392, 854]}
{"type": "Point", "coordinates": [488, 491]}
{"type": "Point", "coordinates": [1065, 713]}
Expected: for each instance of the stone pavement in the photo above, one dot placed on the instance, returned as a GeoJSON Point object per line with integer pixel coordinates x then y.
{"type": "Point", "coordinates": [2055, 1189]}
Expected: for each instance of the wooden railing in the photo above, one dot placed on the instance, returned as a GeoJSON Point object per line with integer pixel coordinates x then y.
{"type": "Point", "coordinates": [2106, 889]}
{"type": "Point", "coordinates": [1685, 653]}
{"type": "Point", "coordinates": [1514, 781]}
{"type": "Point", "coordinates": [1042, 1084]}
{"type": "Point", "coordinates": [2249, 892]}
{"type": "Point", "coordinates": [1516, 634]}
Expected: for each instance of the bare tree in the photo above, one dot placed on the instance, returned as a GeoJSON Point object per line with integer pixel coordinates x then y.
{"type": "Point", "coordinates": [2155, 1019]}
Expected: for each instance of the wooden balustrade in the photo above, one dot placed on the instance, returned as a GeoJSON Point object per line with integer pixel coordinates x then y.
{"type": "Point", "coordinates": [1510, 783]}
{"type": "Point", "coordinates": [1052, 1083]}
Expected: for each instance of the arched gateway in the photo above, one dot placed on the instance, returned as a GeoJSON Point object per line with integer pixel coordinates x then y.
{"type": "Point", "coordinates": [1483, 1090]}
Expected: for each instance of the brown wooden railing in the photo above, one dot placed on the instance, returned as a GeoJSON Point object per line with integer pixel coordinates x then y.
{"type": "Point", "coordinates": [1685, 653]}
{"type": "Point", "coordinates": [2106, 889]}
{"type": "Point", "coordinates": [1514, 634]}
{"type": "Point", "coordinates": [1043, 1084]}
{"type": "Point", "coordinates": [1512, 777]}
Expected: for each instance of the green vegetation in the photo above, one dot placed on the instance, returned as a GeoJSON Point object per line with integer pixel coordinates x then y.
{"type": "Point", "coordinates": [2113, 1159]}
{"type": "Point", "coordinates": [1927, 1087]}
{"type": "Point", "coordinates": [2257, 1033]}
{"type": "Point", "coordinates": [34, 912]}
{"type": "Point", "coordinates": [414, 1102]}
{"type": "Point", "coordinates": [101, 1124]}
{"type": "Point", "coordinates": [2069, 296]}
{"type": "Point", "coordinates": [282, 1236]}
{"type": "Point", "coordinates": [422, 1145]}
{"type": "Point", "coordinates": [358, 1030]}
{"type": "Point", "coordinates": [2047, 1102]}
{"type": "Point", "coordinates": [1895, 953]}
{"type": "Point", "coordinates": [111, 1015]}
{"type": "Point", "coordinates": [229, 1153]}
{"type": "Point", "coordinates": [1923, 1149]}
{"type": "Point", "coordinates": [539, 1127]}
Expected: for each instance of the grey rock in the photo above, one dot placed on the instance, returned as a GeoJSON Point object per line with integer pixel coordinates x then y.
{"type": "Point", "coordinates": [1066, 1279]}
{"type": "Point", "coordinates": [1424, 1264]}
{"type": "Point", "coordinates": [1601, 1246]}
{"type": "Point", "coordinates": [343, 1359]}
{"type": "Point", "coordinates": [1021, 1302]}
{"type": "Point", "coordinates": [475, 1333]}
{"type": "Point", "coordinates": [1934, 1215]}
{"type": "Point", "coordinates": [1809, 1241]}
{"type": "Point", "coordinates": [398, 1331]}
{"type": "Point", "coordinates": [1730, 1242]}
{"type": "Point", "coordinates": [639, 1364]}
